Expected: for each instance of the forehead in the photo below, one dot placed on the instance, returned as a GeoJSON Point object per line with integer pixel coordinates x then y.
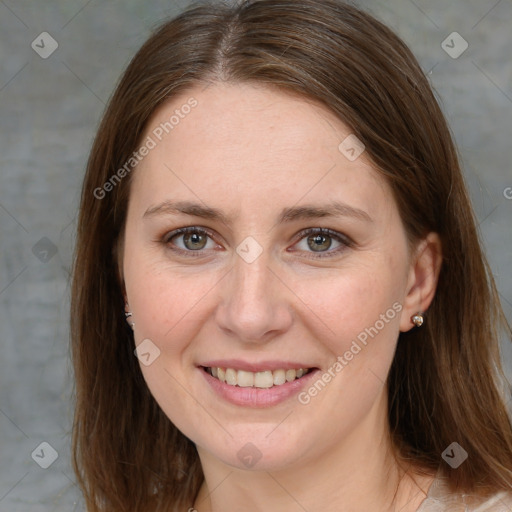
{"type": "Point", "coordinates": [237, 116]}
{"type": "Point", "coordinates": [244, 142]}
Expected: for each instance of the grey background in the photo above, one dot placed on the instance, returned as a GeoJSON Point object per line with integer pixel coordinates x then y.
{"type": "Point", "coordinates": [49, 109]}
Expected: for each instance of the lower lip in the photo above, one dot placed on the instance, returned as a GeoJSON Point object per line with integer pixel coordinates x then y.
{"type": "Point", "coordinates": [258, 397]}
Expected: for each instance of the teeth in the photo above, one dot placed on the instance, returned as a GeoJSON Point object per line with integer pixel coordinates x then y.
{"type": "Point", "coordinates": [265, 379]}
{"type": "Point", "coordinates": [231, 377]}
{"type": "Point", "coordinates": [290, 375]}
{"type": "Point", "coordinates": [243, 379]}
{"type": "Point", "coordinates": [279, 377]}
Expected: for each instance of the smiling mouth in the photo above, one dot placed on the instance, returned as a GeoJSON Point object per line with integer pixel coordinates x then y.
{"type": "Point", "coordinates": [265, 379]}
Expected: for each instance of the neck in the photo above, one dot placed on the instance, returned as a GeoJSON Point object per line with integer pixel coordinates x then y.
{"type": "Point", "coordinates": [358, 474]}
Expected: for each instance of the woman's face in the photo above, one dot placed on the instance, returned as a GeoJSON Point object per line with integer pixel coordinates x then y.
{"type": "Point", "coordinates": [294, 257]}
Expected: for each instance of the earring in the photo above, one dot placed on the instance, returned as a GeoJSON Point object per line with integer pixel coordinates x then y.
{"type": "Point", "coordinates": [128, 315]}
{"type": "Point", "coordinates": [417, 319]}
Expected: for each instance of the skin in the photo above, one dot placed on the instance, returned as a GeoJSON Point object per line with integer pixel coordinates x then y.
{"type": "Point", "coordinates": [250, 152]}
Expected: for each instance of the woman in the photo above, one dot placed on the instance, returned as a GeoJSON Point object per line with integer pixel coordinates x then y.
{"type": "Point", "coordinates": [279, 299]}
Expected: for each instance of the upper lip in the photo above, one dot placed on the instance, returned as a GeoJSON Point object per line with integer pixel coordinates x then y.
{"type": "Point", "coordinates": [239, 364]}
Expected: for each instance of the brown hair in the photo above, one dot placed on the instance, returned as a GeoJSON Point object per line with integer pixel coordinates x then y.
{"type": "Point", "coordinates": [445, 377]}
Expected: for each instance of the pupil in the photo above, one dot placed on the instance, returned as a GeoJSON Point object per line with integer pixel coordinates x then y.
{"type": "Point", "coordinates": [194, 241]}
{"type": "Point", "coordinates": [319, 242]}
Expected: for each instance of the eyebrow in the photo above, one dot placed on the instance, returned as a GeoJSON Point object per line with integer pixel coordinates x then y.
{"type": "Point", "coordinates": [334, 209]}
{"type": "Point", "coordinates": [187, 208]}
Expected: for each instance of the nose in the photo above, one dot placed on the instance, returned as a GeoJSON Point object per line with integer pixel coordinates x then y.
{"type": "Point", "coordinates": [255, 305]}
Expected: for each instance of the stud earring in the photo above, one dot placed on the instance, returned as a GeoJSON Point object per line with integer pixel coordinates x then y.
{"type": "Point", "coordinates": [417, 319]}
{"type": "Point", "coordinates": [128, 314]}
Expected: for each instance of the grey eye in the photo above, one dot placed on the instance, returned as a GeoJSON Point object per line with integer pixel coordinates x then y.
{"type": "Point", "coordinates": [195, 241]}
{"type": "Point", "coordinates": [319, 242]}
{"type": "Point", "coordinates": [191, 239]}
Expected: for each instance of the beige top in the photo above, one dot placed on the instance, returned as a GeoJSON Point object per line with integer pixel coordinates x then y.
{"type": "Point", "coordinates": [440, 499]}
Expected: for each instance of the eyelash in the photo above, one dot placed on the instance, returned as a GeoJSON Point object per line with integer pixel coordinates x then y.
{"type": "Point", "coordinates": [344, 240]}
{"type": "Point", "coordinates": [184, 231]}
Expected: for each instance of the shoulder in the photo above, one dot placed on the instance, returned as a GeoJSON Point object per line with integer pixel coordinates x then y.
{"type": "Point", "coordinates": [499, 502]}
{"type": "Point", "coordinates": [440, 499]}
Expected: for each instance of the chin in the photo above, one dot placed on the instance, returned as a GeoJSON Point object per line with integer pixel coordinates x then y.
{"type": "Point", "coordinates": [261, 452]}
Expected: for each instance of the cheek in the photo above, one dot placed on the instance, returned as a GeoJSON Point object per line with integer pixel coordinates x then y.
{"type": "Point", "coordinates": [163, 302]}
{"type": "Point", "coordinates": [169, 309]}
{"type": "Point", "coordinates": [351, 303]}
{"type": "Point", "coordinates": [169, 305]}
{"type": "Point", "coordinates": [356, 319]}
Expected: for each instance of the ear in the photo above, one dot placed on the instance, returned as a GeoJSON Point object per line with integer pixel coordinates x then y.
{"type": "Point", "coordinates": [422, 281]}
{"type": "Point", "coordinates": [117, 256]}
{"type": "Point", "coordinates": [127, 310]}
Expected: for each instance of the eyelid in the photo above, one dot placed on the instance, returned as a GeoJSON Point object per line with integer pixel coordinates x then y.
{"type": "Point", "coordinates": [166, 239]}
{"type": "Point", "coordinates": [188, 229]}
{"type": "Point", "coordinates": [343, 239]}
{"type": "Point", "coordinates": [324, 231]}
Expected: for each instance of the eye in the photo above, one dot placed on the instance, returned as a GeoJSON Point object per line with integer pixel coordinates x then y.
{"type": "Point", "coordinates": [319, 242]}
{"type": "Point", "coordinates": [190, 239]}
{"type": "Point", "coordinates": [322, 241]}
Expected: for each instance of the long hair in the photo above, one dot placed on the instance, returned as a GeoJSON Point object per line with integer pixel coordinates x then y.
{"type": "Point", "coordinates": [445, 381]}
